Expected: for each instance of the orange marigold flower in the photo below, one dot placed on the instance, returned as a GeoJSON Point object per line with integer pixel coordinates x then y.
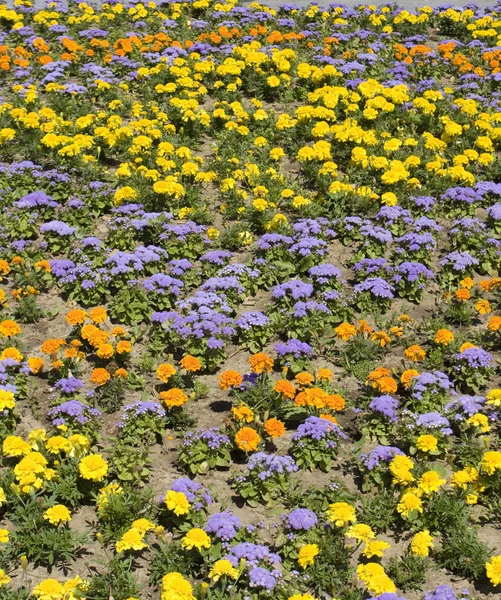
{"type": "Point", "coordinates": [12, 353]}
{"type": "Point", "coordinates": [9, 328]}
{"type": "Point", "coordinates": [274, 428]}
{"type": "Point", "coordinates": [71, 352]}
{"type": "Point", "coordinates": [242, 413]}
{"type": "Point", "coordinates": [17, 260]}
{"type": "Point", "coordinates": [98, 315]}
{"type": "Point", "coordinates": [329, 418]}
{"type": "Point", "coordinates": [462, 294]}
{"type": "Point", "coordinates": [304, 379]}
{"type": "Point", "coordinates": [386, 385]}
{"type": "Point", "coordinates": [165, 371]}
{"type": "Point", "coordinates": [43, 265]}
{"type": "Point", "coordinates": [444, 337]}
{"type": "Point", "coordinates": [57, 364]}
{"type": "Point", "coordinates": [4, 267]}
{"type": "Point", "coordinates": [190, 363]}
{"type": "Point", "coordinates": [76, 317]}
{"type": "Point", "coordinates": [35, 364]}
{"type": "Point", "coordinates": [118, 332]}
{"type": "Point", "coordinates": [105, 351]}
{"type": "Point", "coordinates": [396, 331]}
{"type": "Point", "coordinates": [93, 335]}
{"type": "Point", "coordinates": [345, 331]}
{"type": "Point", "coordinates": [467, 283]}
{"type": "Point", "coordinates": [124, 347]}
{"type": "Point", "coordinates": [335, 402]}
{"type": "Point", "coordinates": [230, 379]}
{"type": "Point", "coordinates": [373, 376]}
{"type": "Point", "coordinates": [261, 363]}
{"type": "Point", "coordinates": [52, 346]}
{"type": "Point", "coordinates": [284, 387]}
{"type": "Point", "coordinates": [99, 376]}
{"type": "Point", "coordinates": [415, 353]}
{"type": "Point", "coordinates": [364, 327]}
{"type": "Point", "coordinates": [247, 439]}
{"type": "Point", "coordinates": [121, 373]}
{"type": "Point", "coordinates": [466, 346]}
{"type": "Point", "coordinates": [381, 337]}
{"type": "Point", "coordinates": [324, 375]}
{"type": "Point", "coordinates": [485, 285]}
{"type": "Point", "coordinates": [407, 377]}
{"type": "Point", "coordinates": [483, 307]}
{"type": "Point", "coordinates": [315, 397]}
{"type": "Point", "coordinates": [494, 324]}
{"type": "Point", "coordinates": [173, 398]}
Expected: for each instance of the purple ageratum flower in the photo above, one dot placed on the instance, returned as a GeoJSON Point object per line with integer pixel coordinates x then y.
{"type": "Point", "coordinates": [248, 320]}
{"type": "Point", "coordinates": [141, 407]}
{"type": "Point", "coordinates": [318, 429]}
{"type": "Point", "coordinates": [224, 284]}
{"type": "Point", "coordinates": [412, 271]}
{"type": "Point", "coordinates": [297, 289]}
{"type": "Point", "coordinates": [475, 358]}
{"type": "Point", "coordinates": [261, 577]}
{"type": "Point", "coordinates": [387, 406]}
{"type": "Point", "coordinates": [266, 465]}
{"type": "Point", "coordinates": [459, 261]}
{"type": "Point", "coordinates": [253, 554]}
{"type": "Point", "coordinates": [163, 284]}
{"type": "Point", "coordinates": [465, 406]}
{"type": "Point", "coordinates": [305, 246]}
{"type": "Point", "coordinates": [325, 274]}
{"type": "Point", "coordinates": [72, 411]}
{"type": "Point", "coordinates": [369, 266]}
{"type": "Point", "coordinates": [434, 420]}
{"type": "Point", "coordinates": [57, 227]}
{"type": "Point", "coordinates": [442, 592]}
{"type": "Point", "coordinates": [223, 525]}
{"type": "Point", "coordinates": [381, 454]}
{"type": "Point", "coordinates": [434, 383]}
{"type": "Point", "coordinates": [36, 199]}
{"type": "Point", "coordinates": [216, 257]}
{"type": "Point", "coordinates": [461, 194]}
{"type": "Point", "coordinates": [376, 234]}
{"type": "Point", "coordinates": [303, 309]}
{"type": "Point", "coordinates": [376, 286]}
{"type": "Point", "coordinates": [389, 596]}
{"type": "Point", "coordinates": [302, 519]}
{"type": "Point", "coordinates": [194, 491]}
{"type": "Point", "coordinates": [273, 240]}
{"type": "Point", "coordinates": [70, 385]}
{"type": "Point", "coordinates": [213, 437]}
{"type": "Point", "coordinates": [295, 347]}
{"type": "Point", "coordinates": [494, 211]}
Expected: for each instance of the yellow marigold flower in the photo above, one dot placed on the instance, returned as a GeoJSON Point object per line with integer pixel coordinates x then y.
{"type": "Point", "coordinates": [306, 555]}
{"type": "Point", "coordinates": [93, 467]}
{"type": "Point", "coordinates": [57, 514]}
{"type": "Point", "coordinates": [421, 543]}
{"type": "Point", "coordinates": [223, 568]}
{"type": "Point", "coordinates": [375, 578]}
{"type": "Point", "coordinates": [381, 337]}
{"type": "Point", "coordinates": [261, 363]}
{"type": "Point", "coordinates": [3, 498]}
{"type": "Point", "coordinates": [131, 540]}
{"type": "Point", "coordinates": [483, 307]}
{"type": "Point", "coordinates": [341, 513]}
{"type": "Point", "coordinates": [4, 536]}
{"type": "Point", "coordinates": [427, 443]}
{"type": "Point", "coordinates": [375, 548]}
{"type": "Point", "coordinates": [56, 444]}
{"type": "Point", "coordinates": [274, 428]}
{"type": "Point", "coordinates": [493, 397]}
{"type": "Point", "coordinates": [247, 439]}
{"type": "Point", "coordinates": [173, 398]}
{"type": "Point", "coordinates": [177, 503]}
{"type": "Point", "coordinates": [4, 578]}
{"type": "Point", "coordinates": [12, 353]}
{"type": "Point", "coordinates": [400, 468]}
{"type": "Point", "coordinates": [175, 586]}
{"type": "Point", "coordinates": [491, 462]}
{"type": "Point", "coordinates": [48, 589]}
{"type": "Point", "coordinates": [444, 337]}
{"type": "Point", "coordinates": [360, 532]}
{"type": "Point", "coordinates": [230, 379]}
{"type": "Point", "coordinates": [408, 502]}
{"type": "Point", "coordinates": [464, 477]}
{"type": "Point", "coordinates": [164, 372]}
{"type": "Point", "coordinates": [7, 400]}
{"type": "Point", "coordinates": [415, 353]}
{"type": "Point", "coordinates": [467, 283]}
{"type": "Point", "coordinates": [430, 482]}
{"type": "Point", "coordinates": [195, 538]}
{"type": "Point", "coordinates": [493, 570]}
{"type": "Point", "coordinates": [242, 413]}
{"type": "Point", "coordinates": [481, 421]}
{"type": "Point", "coordinates": [466, 346]}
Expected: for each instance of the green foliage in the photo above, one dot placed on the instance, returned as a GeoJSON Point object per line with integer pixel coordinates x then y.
{"type": "Point", "coordinates": [463, 553]}
{"type": "Point", "coordinates": [408, 572]}
{"type": "Point", "coordinates": [116, 582]}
